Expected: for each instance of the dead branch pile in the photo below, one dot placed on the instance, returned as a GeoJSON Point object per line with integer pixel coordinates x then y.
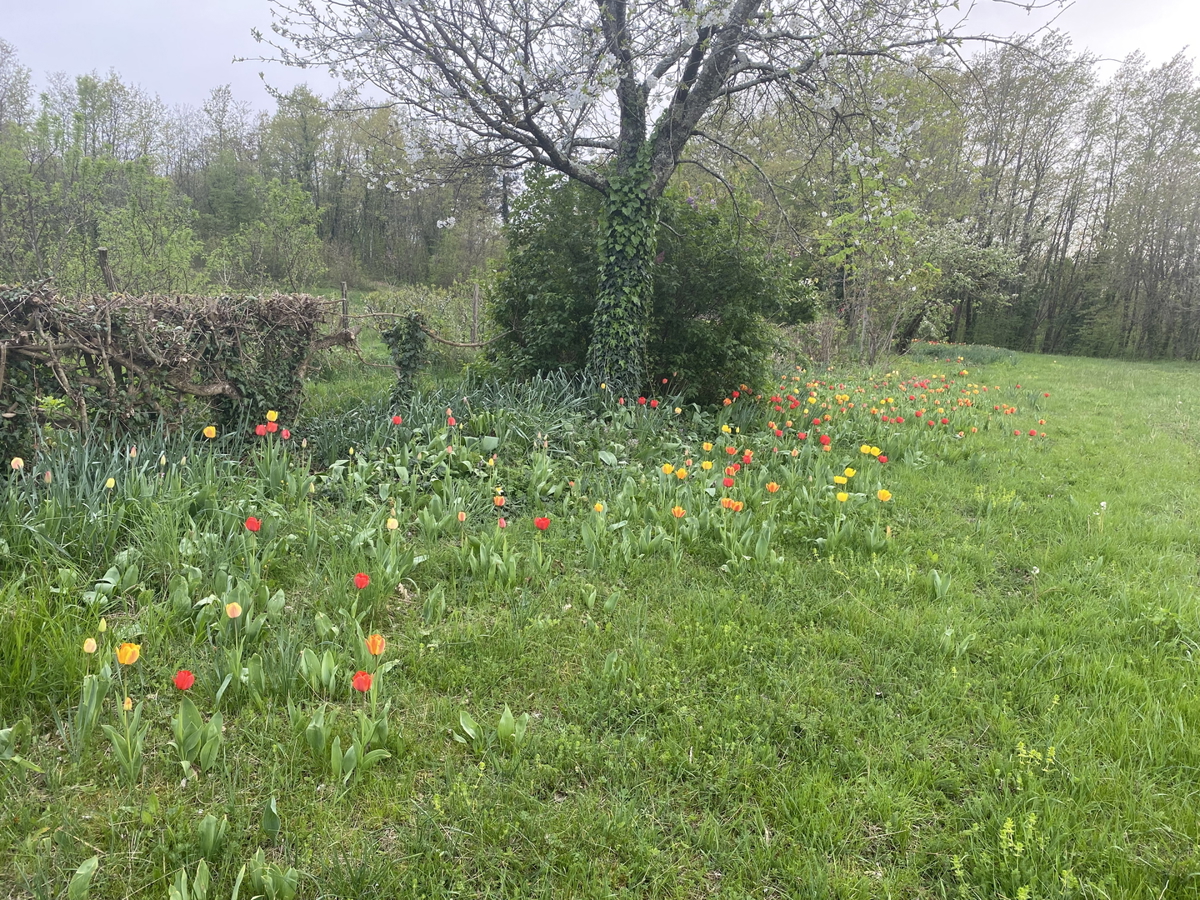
{"type": "Point", "coordinates": [116, 357]}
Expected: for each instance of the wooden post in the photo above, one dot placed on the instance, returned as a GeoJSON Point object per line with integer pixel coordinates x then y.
{"type": "Point", "coordinates": [475, 315]}
{"type": "Point", "coordinates": [106, 270]}
{"type": "Point", "coordinates": [345, 309]}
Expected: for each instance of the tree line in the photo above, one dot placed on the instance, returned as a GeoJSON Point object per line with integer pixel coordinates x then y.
{"type": "Point", "coordinates": [1021, 197]}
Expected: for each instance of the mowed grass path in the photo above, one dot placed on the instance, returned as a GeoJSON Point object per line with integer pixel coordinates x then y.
{"type": "Point", "coordinates": [831, 730]}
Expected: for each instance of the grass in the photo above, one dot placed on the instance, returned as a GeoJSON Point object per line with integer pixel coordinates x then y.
{"type": "Point", "coordinates": [831, 727]}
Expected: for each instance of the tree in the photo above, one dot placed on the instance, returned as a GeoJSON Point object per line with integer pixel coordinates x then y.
{"type": "Point", "coordinates": [608, 92]}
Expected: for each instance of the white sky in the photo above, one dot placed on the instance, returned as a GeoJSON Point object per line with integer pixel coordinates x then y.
{"type": "Point", "coordinates": [180, 49]}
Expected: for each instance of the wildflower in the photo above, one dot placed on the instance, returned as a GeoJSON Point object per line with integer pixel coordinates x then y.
{"type": "Point", "coordinates": [127, 705]}
{"type": "Point", "coordinates": [883, 459]}
{"type": "Point", "coordinates": [737, 505]}
{"type": "Point", "coordinates": [397, 420]}
{"type": "Point", "coordinates": [127, 653]}
{"type": "Point", "coordinates": [884, 495]}
{"type": "Point", "coordinates": [678, 512]}
{"type": "Point", "coordinates": [110, 483]}
{"type": "Point", "coordinates": [840, 479]}
{"type": "Point", "coordinates": [865, 449]}
{"type": "Point", "coordinates": [184, 679]}
{"type": "Point", "coordinates": [849, 473]}
{"type": "Point", "coordinates": [498, 500]}
{"type": "Point", "coordinates": [707, 446]}
{"type": "Point", "coordinates": [233, 610]}
{"type": "Point", "coordinates": [376, 644]}
{"type": "Point", "coordinates": [802, 435]}
{"type": "Point", "coordinates": [706, 465]}
{"type": "Point", "coordinates": [1033, 432]}
{"type": "Point", "coordinates": [462, 515]}
{"type": "Point", "coordinates": [772, 487]}
{"type": "Point", "coordinates": [732, 451]}
{"type": "Point", "coordinates": [361, 681]}
{"type": "Point", "coordinates": [253, 524]}
{"type": "Point", "coordinates": [541, 523]}
{"type": "Point", "coordinates": [272, 415]}
{"type": "Point", "coordinates": [945, 421]}
{"type": "Point", "coordinates": [842, 496]}
{"type": "Point", "coordinates": [17, 464]}
{"type": "Point", "coordinates": [681, 473]}
{"type": "Point", "coordinates": [654, 404]}
{"type": "Point", "coordinates": [451, 421]}
{"type": "Point", "coordinates": [501, 523]}
{"type": "Point", "coordinates": [668, 468]}
{"type": "Point", "coordinates": [641, 401]}
{"type": "Point", "coordinates": [260, 429]}
{"type": "Point", "coordinates": [678, 410]}
{"type": "Point", "coordinates": [210, 432]}
{"type": "Point", "coordinates": [272, 427]}
{"type": "Point", "coordinates": [599, 507]}
{"type": "Point", "coordinates": [826, 440]}
{"type": "Point", "coordinates": [727, 502]}
{"type": "Point", "coordinates": [361, 580]}
{"type": "Point", "coordinates": [285, 434]}
{"type": "Point", "coordinates": [875, 451]}
{"type": "Point", "coordinates": [727, 481]}
{"type": "Point", "coordinates": [89, 646]}
{"type": "Point", "coordinates": [392, 523]}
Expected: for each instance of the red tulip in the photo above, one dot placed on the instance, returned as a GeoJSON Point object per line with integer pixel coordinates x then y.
{"type": "Point", "coordinates": [541, 523]}
{"type": "Point", "coordinates": [184, 679]}
{"type": "Point", "coordinates": [728, 482]}
{"type": "Point", "coordinates": [361, 580]}
{"type": "Point", "coordinates": [253, 524]}
{"type": "Point", "coordinates": [826, 440]}
{"type": "Point", "coordinates": [260, 429]}
{"type": "Point", "coordinates": [272, 427]}
{"type": "Point", "coordinates": [285, 434]}
{"type": "Point", "coordinates": [397, 420]}
{"type": "Point", "coordinates": [362, 681]}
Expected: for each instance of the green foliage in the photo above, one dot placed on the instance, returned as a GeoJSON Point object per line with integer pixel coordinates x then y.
{"type": "Point", "coordinates": [715, 282]}
{"type": "Point", "coordinates": [279, 247]}
{"type": "Point", "coordinates": [407, 342]}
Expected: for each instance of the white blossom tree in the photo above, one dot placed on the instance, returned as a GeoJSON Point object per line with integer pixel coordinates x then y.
{"type": "Point", "coordinates": [608, 92]}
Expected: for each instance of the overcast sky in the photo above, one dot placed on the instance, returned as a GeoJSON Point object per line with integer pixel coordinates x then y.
{"type": "Point", "coordinates": [180, 50]}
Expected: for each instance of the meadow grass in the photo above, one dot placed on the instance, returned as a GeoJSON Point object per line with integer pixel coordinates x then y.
{"type": "Point", "coordinates": [840, 725]}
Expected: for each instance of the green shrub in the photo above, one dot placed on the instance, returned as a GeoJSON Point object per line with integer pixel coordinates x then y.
{"type": "Point", "coordinates": [717, 288]}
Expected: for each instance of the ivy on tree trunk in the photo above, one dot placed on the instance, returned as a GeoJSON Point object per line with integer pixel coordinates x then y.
{"type": "Point", "coordinates": [617, 354]}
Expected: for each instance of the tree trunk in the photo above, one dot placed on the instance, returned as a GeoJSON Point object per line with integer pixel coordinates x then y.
{"type": "Point", "coordinates": [617, 355]}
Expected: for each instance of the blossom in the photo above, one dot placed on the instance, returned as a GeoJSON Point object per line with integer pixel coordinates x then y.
{"type": "Point", "coordinates": [707, 445]}
{"type": "Point", "coordinates": [127, 705]}
{"type": "Point", "coordinates": [668, 468]}
{"type": "Point", "coordinates": [501, 522]}
{"type": "Point", "coordinates": [253, 524]}
{"type": "Point", "coordinates": [133, 452]}
{"type": "Point", "coordinates": [498, 500]}
{"type": "Point", "coordinates": [110, 483]}
{"type": "Point", "coordinates": [850, 473]}
{"type": "Point", "coordinates": [210, 432]}
{"type": "Point", "coordinates": [260, 429]}
{"type": "Point", "coordinates": [599, 507]}
{"type": "Point", "coordinates": [17, 464]}
{"type": "Point", "coordinates": [451, 421]}
{"type": "Point", "coordinates": [884, 495]}
{"type": "Point", "coordinates": [840, 479]}
{"type": "Point", "coordinates": [89, 646]}
{"type": "Point", "coordinates": [772, 487]}
{"type": "Point", "coordinates": [184, 679]}
{"type": "Point", "coordinates": [397, 420]}
{"type": "Point", "coordinates": [727, 481]}
{"type": "Point", "coordinates": [541, 523]}
{"type": "Point", "coordinates": [285, 434]}
{"type": "Point", "coordinates": [103, 626]}
{"type": "Point", "coordinates": [392, 523]}
{"type": "Point", "coordinates": [842, 496]}
{"type": "Point", "coordinates": [127, 653]}
{"type": "Point", "coordinates": [641, 401]}
{"type": "Point", "coordinates": [376, 644]}
{"type": "Point", "coordinates": [272, 427]}
{"type": "Point", "coordinates": [678, 512]}
{"type": "Point", "coordinates": [681, 473]}
{"type": "Point", "coordinates": [875, 451]}
{"type": "Point", "coordinates": [361, 580]}
{"type": "Point", "coordinates": [654, 404]}
{"type": "Point", "coordinates": [865, 449]}
{"type": "Point", "coordinates": [883, 459]}
{"type": "Point", "coordinates": [233, 609]}
{"type": "Point", "coordinates": [272, 415]}
{"type": "Point", "coordinates": [462, 515]}
{"type": "Point", "coordinates": [362, 681]}
{"type": "Point", "coordinates": [706, 465]}
{"type": "Point", "coordinates": [826, 440]}
{"type": "Point", "coordinates": [737, 505]}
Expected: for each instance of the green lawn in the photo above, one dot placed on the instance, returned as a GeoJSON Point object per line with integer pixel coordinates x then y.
{"type": "Point", "coordinates": [840, 723]}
